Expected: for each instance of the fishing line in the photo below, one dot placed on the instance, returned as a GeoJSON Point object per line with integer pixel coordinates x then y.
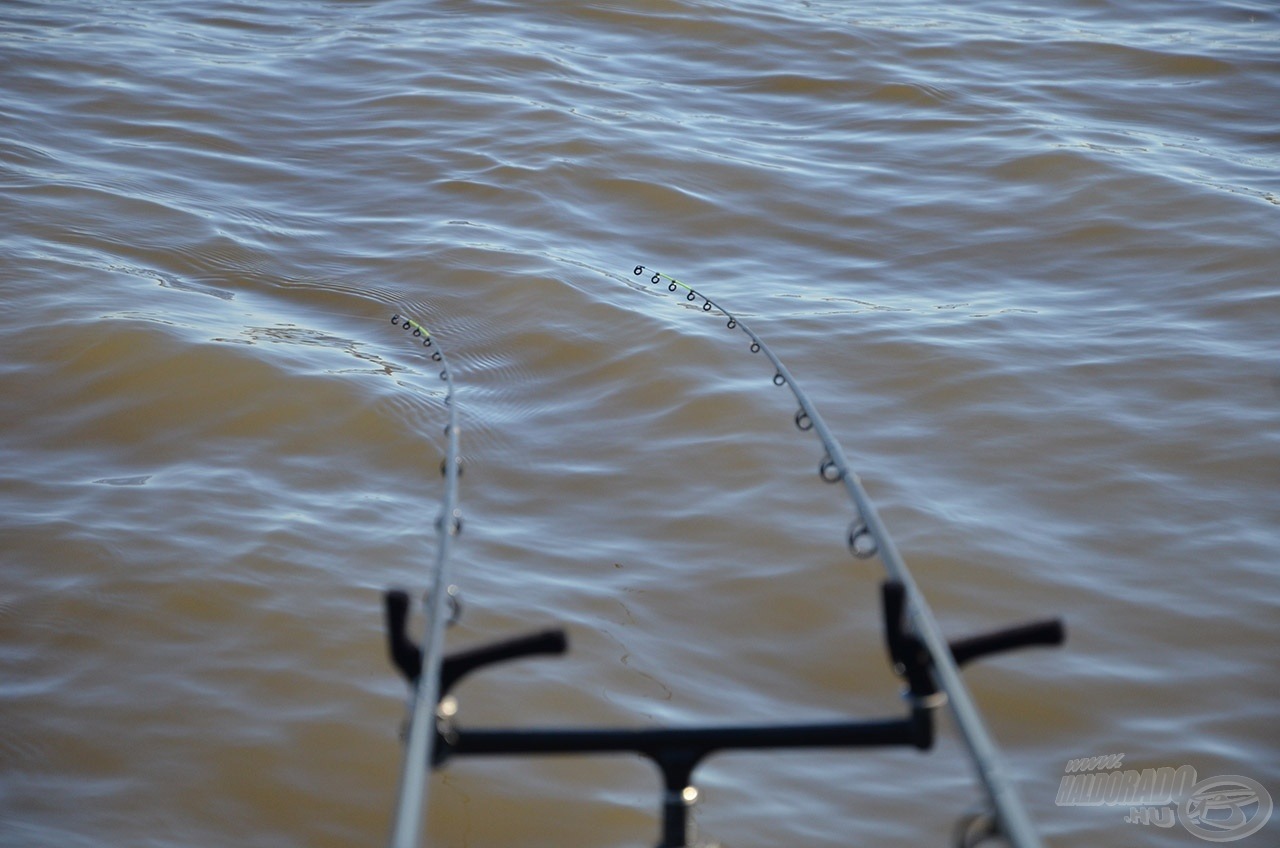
{"type": "Point", "coordinates": [440, 606]}
{"type": "Point", "coordinates": [867, 537]}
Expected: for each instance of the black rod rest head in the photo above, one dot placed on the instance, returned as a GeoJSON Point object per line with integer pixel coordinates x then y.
{"type": "Point", "coordinates": [910, 658]}
{"type": "Point", "coordinates": [1049, 631]}
{"type": "Point", "coordinates": [912, 661]}
{"type": "Point", "coordinates": [405, 655]}
{"type": "Point", "coordinates": [457, 665]}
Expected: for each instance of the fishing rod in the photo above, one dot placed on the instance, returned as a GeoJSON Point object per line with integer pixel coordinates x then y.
{"type": "Point", "coordinates": [920, 655]}
{"type": "Point", "coordinates": [867, 537]}
{"type": "Point", "coordinates": [420, 663]}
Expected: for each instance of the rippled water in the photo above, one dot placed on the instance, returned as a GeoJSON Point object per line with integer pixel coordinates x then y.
{"type": "Point", "coordinates": [1023, 259]}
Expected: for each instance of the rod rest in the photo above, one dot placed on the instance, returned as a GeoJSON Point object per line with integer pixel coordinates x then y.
{"type": "Point", "coordinates": [1048, 631]}
{"type": "Point", "coordinates": [912, 661]}
{"type": "Point", "coordinates": [459, 664]}
{"type": "Point", "coordinates": [407, 656]}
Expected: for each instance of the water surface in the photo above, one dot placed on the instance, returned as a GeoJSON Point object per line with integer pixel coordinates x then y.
{"type": "Point", "coordinates": [1022, 257]}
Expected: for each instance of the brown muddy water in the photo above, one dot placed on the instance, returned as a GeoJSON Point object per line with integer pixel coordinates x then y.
{"type": "Point", "coordinates": [1022, 257]}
